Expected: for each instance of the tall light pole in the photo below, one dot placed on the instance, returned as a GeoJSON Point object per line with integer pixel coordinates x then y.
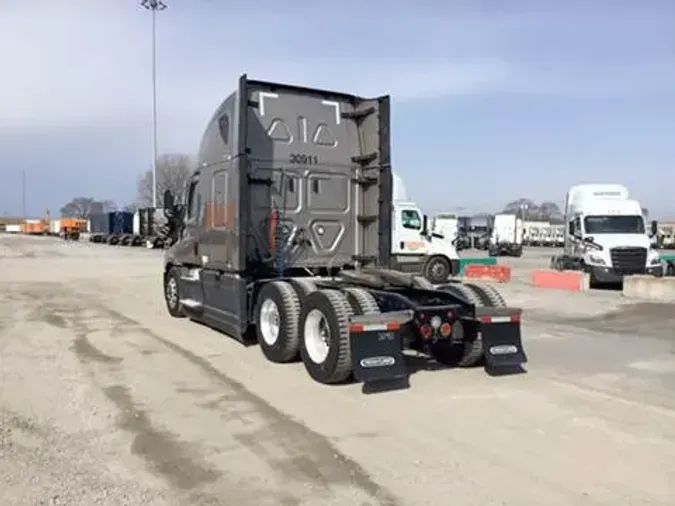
{"type": "Point", "coordinates": [23, 193]}
{"type": "Point", "coordinates": [153, 6]}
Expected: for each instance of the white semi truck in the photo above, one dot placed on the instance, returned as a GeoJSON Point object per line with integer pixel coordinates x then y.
{"type": "Point", "coordinates": [605, 235]}
{"type": "Point", "coordinates": [506, 236]}
{"type": "Point", "coordinates": [416, 246]}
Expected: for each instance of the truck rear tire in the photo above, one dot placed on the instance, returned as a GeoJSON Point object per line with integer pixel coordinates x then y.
{"type": "Point", "coordinates": [361, 301]}
{"type": "Point", "coordinates": [303, 287]}
{"type": "Point", "coordinates": [437, 269]}
{"type": "Point", "coordinates": [172, 293]}
{"type": "Point", "coordinates": [276, 321]}
{"type": "Point", "coordinates": [490, 295]}
{"type": "Point", "coordinates": [465, 353]}
{"type": "Point", "coordinates": [325, 344]}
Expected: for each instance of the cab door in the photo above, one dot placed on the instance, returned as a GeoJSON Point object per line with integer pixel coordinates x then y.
{"type": "Point", "coordinates": [188, 250]}
{"type": "Point", "coordinates": [407, 238]}
{"type": "Point", "coordinates": [578, 246]}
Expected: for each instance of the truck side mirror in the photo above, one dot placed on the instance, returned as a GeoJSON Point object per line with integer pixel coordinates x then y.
{"type": "Point", "coordinates": [425, 225]}
{"type": "Point", "coordinates": [168, 199]}
{"type": "Point", "coordinates": [654, 228]}
{"type": "Point", "coordinates": [570, 228]}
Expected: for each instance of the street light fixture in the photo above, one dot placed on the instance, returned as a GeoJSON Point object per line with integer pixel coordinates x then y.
{"type": "Point", "coordinates": [154, 6]}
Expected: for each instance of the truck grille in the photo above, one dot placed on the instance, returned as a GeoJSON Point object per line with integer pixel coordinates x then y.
{"type": "Point", "coordinates": [628, 260]}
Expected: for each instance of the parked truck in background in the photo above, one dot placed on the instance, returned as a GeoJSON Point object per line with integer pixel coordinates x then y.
{"type": "Point", "coordinates": [463, 238]}
{"type": "Point", "coordinates": [150, 228]}
{"type": "Point", "coordinates": [115, 227]}
{"type": "Point", "coordinates": [547, 237]}
{"type": "Point", "coordinates": [416, 247]}
{"type": "Point", "coordinates": [532, 233]}
{"type": "Point", "coordinates": [479, 231]}
{"type": "Point", "coordinates": [70, 229]}
{"type": "Point", "coordinates": [447, 225]}
{"type": "Point", "coordinates": [558, 235]}
{"type": "Point", "coordinates": [606, 235]}
{"type": "Point", "coordinates": [506, 235]}
{"type": "Point", "coordinates": [287, 230]}
{"type": "Point", "coordinates": [665, 237]}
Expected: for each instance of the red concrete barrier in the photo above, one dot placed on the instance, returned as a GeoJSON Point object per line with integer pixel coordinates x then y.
{"type": "Point", "coordinates": [570, 281]}
{"type": "Point", "coordinates": [498, 273]}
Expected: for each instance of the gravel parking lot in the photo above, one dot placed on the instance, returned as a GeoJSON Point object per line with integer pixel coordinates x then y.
{"type": "Point", "coordinates": [106, 400]}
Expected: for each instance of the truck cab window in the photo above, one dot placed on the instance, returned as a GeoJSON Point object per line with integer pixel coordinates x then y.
{"type": "Point", "coordinates": [617, 224]}
{"type": "Point", "coordinates": [224, 128]}
{"type": "Point", "coordinates": [192, 205]}
{"type": "Point", "coordinates": [411, 219]}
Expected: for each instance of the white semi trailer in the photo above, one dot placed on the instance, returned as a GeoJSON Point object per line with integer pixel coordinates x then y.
{"type": "Point", "coordinates": [605, 235]}
{"type": "Point", "coordinates": [506, 236]}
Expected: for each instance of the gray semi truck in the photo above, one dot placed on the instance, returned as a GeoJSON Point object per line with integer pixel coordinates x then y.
{"type": "Point", "coordinates": [284, 236]}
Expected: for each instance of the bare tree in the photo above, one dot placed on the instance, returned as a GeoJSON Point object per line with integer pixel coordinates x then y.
{"type": "Point", "coordinates": [533, 211]}
{"type": "Point", "coordinates": [83, 207]}
{"type": "Point", "coordinates": [173, 171]}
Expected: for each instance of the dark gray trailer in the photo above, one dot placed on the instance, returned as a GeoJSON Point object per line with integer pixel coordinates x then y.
{"type": "Point", "coordinates": [99, 226]}
{"type": "Point", "coordinates": [152, 229]}
{"type": "Point", "coordinates": [285, 232]}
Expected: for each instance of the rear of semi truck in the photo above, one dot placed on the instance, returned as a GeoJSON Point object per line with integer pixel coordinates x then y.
{"type": "Point", "coordinates": [285, 230]}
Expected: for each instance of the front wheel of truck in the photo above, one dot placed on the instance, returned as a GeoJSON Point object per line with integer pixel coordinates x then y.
{"type": "Point", "coordinates": [172, 293]}
{"type": "Point", "coordinates": [437, 269]}
{"type": "Point", "coordinates": [325, 344]}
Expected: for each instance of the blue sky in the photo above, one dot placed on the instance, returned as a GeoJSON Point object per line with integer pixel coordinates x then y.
{"type": "Point", "coordinates": [493, 100]}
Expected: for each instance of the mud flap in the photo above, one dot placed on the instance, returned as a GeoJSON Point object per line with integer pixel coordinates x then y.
{"type": "Point", "coordinates": [377, 346]}
{"type": "Point", "coordinates": [500, 332]}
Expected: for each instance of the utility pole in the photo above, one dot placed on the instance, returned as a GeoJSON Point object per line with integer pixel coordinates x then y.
{"type": "Point", "coordinates": [153, 6]}
{"type": "Point", "coordinates": [23, 193]}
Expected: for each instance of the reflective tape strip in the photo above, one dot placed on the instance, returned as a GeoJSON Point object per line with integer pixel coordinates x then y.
{"type": "Point", "coordinates": [374, 327]}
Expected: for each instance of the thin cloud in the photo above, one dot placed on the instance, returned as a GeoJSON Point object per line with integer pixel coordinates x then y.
{"type": "Point", "coordinates": [78, 63]}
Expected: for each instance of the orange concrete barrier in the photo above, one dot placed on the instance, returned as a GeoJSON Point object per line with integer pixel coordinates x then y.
{"type": "Point", "coordinates": [498, 273]}
{"type": "Point", "coordinates": [570, 281]}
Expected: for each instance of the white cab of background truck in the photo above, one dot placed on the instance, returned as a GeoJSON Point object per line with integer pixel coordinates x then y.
{"type": "Point", "coordinates": [506, 235]}
{"type": "Point", "coordinates": [606, 234]}
{"type": "Point", "coordinates": [447, 225]}
{"type": "Point", "coordinates": [415, 248]}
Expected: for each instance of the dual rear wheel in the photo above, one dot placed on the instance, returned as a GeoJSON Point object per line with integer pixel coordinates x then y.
{"type": "Point", "coordinates": [316, 329]}
{"type": "Point", "coordinates": [466, 351]}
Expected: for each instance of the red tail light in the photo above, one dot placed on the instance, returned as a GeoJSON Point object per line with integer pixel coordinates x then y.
{"type": "Point", "coordinates": [446, 329]}
{"type": "Point", "coordinates": [426, 331]}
